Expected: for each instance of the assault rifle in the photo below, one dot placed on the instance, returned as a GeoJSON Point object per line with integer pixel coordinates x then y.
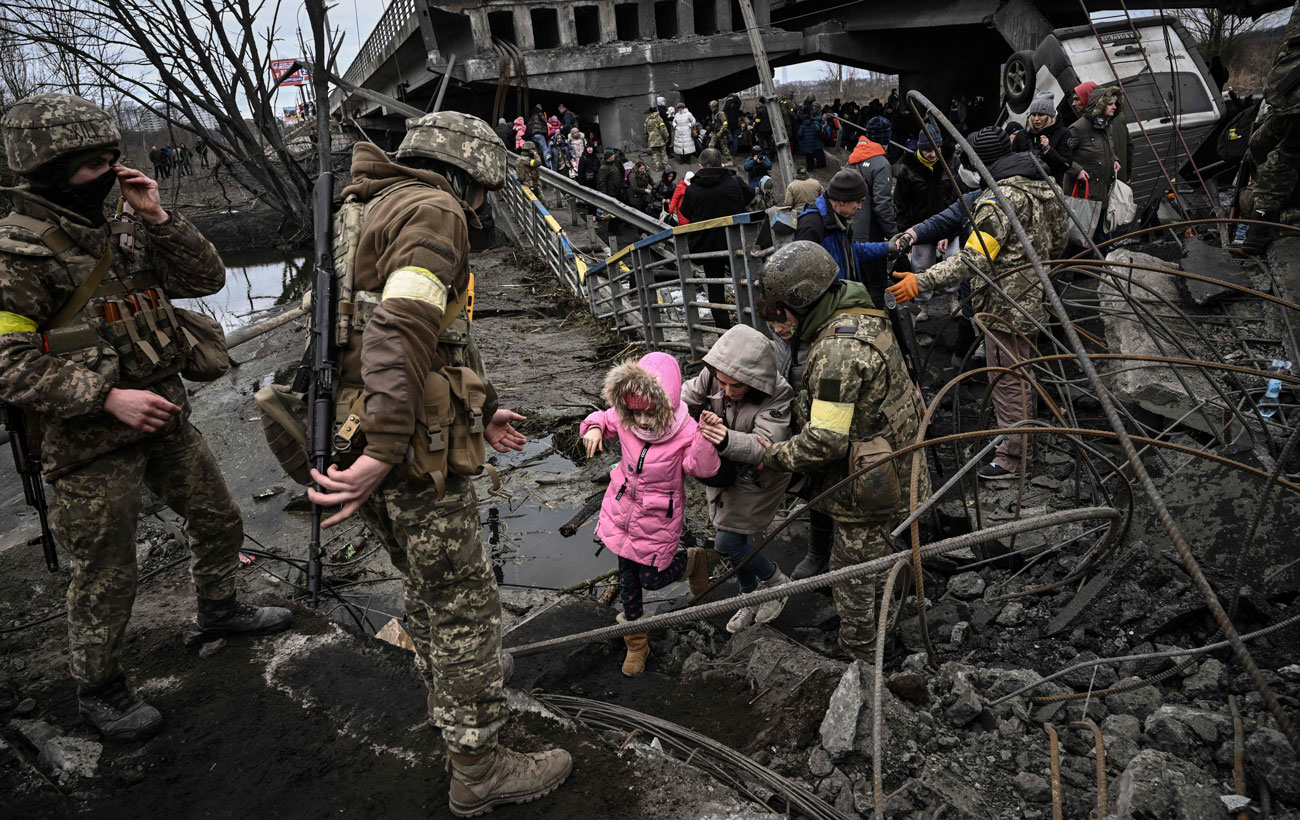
{"type": "Point", "coordinates": [317, 379]}
{"type": "Point", "coordinates": [28, 465]}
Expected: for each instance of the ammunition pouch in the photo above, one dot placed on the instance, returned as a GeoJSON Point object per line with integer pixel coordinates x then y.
{"type": "Point", "coordinates": [208, 359]}
{"type": "Point", "coordinates": [878, 489]}
{"type": "Point", "coordinates": [284, 423]}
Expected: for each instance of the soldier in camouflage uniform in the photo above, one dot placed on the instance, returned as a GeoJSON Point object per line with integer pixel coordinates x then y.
{"type": "Point", "coordinates": [656, 137]}
{"type": "Point", "coordinates": [993, 248]}
{"type": "Point", "coordinates": [856, 403]}
{"type": "Point", "coordinates": [526, 169]}
{"type": "Point", "coordinates": [409, 327]}
{"type": "Point", "coordinates": [720, 133]}
{"type": "Point", "coordinates": [1275, 144]}
{"type": "Point", "coordinates": [98, 367]}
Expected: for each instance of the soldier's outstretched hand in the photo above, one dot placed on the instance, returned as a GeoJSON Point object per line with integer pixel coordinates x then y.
{"type": "Point", "coordinates": [501, 433]}
{"type": "Point", "coordinates": [141, 193]}
{"type": "Point", "coordinates": [350, 487]}
{"type": "Point", "coordinates": [906, 289]}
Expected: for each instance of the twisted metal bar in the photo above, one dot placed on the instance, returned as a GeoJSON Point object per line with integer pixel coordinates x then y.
{"type": "Point", "coordinates": [1166, 519]}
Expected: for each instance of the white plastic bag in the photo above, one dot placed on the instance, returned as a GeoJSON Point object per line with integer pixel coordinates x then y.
{"type": "Point", "coordinates": [1120, 208]}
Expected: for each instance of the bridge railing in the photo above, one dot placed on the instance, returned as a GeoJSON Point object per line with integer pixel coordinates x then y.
{"type": "Point", "coordinates": [655, 289]}
{"type": "Point", "coordinates": [398, 21]}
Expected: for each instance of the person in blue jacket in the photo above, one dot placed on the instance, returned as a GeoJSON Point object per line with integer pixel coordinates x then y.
{"type": "Point", "coordinates": [829, 223]}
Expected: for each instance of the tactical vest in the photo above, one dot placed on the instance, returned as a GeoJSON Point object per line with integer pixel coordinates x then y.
{"type": "Point", "coordinates": [449, 423]}
{"type": "Point", "coordinates": [876, 431]}
{"type": "Point", "coordinates": [122, 326]}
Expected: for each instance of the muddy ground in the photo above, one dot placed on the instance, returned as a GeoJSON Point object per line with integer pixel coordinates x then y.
{"type": "Point", "coordinates": [326, 719]}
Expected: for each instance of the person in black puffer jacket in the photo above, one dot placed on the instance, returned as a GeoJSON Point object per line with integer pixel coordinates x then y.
{"type": "Point", "coordinates": [588, 166]}
{"type": "Point", "coordinates": [1046, 138]}
{"type": "Point", "coordinates": [922, 189]}
{"type": "Point", "coordinates": [715, 191]}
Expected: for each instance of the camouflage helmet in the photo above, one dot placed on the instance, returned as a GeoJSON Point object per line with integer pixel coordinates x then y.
{"type": "Point", "coordinates": [462, 140]}
{"type": "Point", "coordinates": [43, 127]}
{"type": "Point", "coordinates": [797, 274]}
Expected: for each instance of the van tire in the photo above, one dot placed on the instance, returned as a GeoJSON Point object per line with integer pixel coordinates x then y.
{"type": "Point", "coordinates": [1018, 80]}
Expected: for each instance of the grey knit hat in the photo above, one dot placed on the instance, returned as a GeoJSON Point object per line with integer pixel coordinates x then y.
{"type": "Point", "coordinates": [1043, 104]}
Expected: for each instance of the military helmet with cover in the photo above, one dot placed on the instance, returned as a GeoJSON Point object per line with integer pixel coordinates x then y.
{"type": "Point", "coordinates": [44, 127]}
{"type": "Point", "coordinates": [462, 140]}
{"type": "Point", "coordinates": [797, 274]}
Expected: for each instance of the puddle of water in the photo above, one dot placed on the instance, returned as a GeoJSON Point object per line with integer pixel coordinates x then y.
{"type": "Point", "coordinates": [256, 281]}
{"type": "Point", "coordinates": [522, 533]}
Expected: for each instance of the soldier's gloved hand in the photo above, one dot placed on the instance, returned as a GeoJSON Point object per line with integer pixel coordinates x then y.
{"type": "Point", "coordinates": [350, 487]}
{"type": "Point", "coordinates": [140, 409]}
{"type": "Point", "coordinates": [501, 434]}
{"type": "Point", "coordinates": [906, 289]}
{"type": "Point", "coordinates": [594, 439]}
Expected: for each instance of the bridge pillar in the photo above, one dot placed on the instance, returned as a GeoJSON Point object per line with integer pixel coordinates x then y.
{"type": "Point", "coordinates": [568, 28]}
{"type": "Point", "coordinates": [482, 33]}
{"type": "Point", "coordinates": [1021, 24]}
{"type": "Point", "coordinates": [646, 19]}
{"type": "Point", "coordinates": [608, 26]}
{"type": "Point", "coordinates": [622, 121]}
{"type": "Point", "coordinates": [722, 13]}
{"type": "Point", "coordinates": [524, 29]}
{"type": "Point", "coordinates": [685, 18]}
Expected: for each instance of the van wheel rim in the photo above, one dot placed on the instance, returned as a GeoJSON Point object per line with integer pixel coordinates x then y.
{"type": "Point", "coordinates": [1016, 80]}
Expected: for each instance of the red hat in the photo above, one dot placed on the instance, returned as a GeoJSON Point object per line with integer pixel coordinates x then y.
{"type": "Point", "coordinates": [1083, 91]}
{"type": "Point", "coordinates": [636, 401]}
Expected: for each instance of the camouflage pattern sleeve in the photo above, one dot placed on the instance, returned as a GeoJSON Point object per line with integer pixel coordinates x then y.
{"type": "Point", "coordinates": [841, 380]}
{"type": "Point", "coordinates": [30, 377]}
{"type": "Point", "coordinates": [992, 232]}
{"type": "Point", "coordinates": [186, 261]}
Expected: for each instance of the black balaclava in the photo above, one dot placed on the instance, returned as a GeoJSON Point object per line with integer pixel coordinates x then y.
{"type": "Point", "coordinates": [85, 199]}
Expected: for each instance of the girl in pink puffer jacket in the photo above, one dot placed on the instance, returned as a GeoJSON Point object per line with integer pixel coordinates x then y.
{"type": "Point", "coordinates": [644, 509]}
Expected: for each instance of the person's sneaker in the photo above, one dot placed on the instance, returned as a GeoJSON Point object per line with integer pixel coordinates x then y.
{"type": "Point", "coordinates": [480, 783]}
{"type": "Point", "coordinates": [769, 610]}
{"type": "Point", "coordinates": [742, 620]}
{"type": "Point", "coordinates": [117, 711]}
{"type": "Point", "coordinates": [996, 472]}
{"type": "Point", "coordinates": [229, 616]}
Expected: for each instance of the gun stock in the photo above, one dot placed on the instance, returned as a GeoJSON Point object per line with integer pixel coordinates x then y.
{"type": "Point", "coordinates": [28, 466]}
{"type": "Point", "coordinates": [320, 405]}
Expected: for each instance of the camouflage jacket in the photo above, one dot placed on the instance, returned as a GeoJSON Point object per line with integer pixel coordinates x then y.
{"type": "Point", "coordinates": [526, 168]}
{"type": "Point", "coordinates": [656, 133]}
{"type": "Point", "coordinates": [719, 130]}
{"type": "Point", "coordinates": [68, 396]}
{"type": "Point", "coordinates": [855, 388]}
{"type": "Point", "coordinates": [995, 251]}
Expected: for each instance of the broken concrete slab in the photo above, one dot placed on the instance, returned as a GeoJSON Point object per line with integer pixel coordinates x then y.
{"type": "Point", "coordinates": [1216, 263]}
{"type": "Point", "coordinates": [1162, 785]}
{"type": "Point", "coordinates": [1152, 386]}
{"type": "Point", "coordinates": [69, 757]}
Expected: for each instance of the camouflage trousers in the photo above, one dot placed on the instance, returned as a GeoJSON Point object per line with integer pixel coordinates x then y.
{"type": "Point", "coordinates": [721, 141]}
{"type": "Point", "coordinates": [855, 600]}
{"type": "Point", "coordinates": [658, 158]}
{"type": "Point", "coordinates": [93, 515]}
{"type": "Point", "coordinates": [1275, 148]}
{"type": "Point", "coordinates": [453, 613]}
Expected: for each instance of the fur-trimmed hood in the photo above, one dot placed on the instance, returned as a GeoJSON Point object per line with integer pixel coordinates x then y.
{"type": "Point", "coordinates": [1100, 98]}
{"type": "Point", "coordinates": [657, 377]}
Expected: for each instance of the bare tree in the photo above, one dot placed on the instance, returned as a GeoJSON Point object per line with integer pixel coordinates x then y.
{"type": "Point", "coordinates": [1217, 32]}
{"type": "Point", "coordinates": [202, 65]}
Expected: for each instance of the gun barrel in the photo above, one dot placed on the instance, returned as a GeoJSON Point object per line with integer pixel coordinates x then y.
{"type": "Point", "coordinates": [320, 412]}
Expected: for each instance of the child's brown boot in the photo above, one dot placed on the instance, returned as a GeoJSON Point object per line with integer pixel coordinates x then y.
{"type": "Point", "coordinates": [638, 649]}
{"type": "Point", "coordinates": [697, 570]}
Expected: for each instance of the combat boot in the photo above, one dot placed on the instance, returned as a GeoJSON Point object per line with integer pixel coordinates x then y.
{"type": "Point", "coordinates": [697, 570]}
{"type": "Point", "coordinates": [117, 711]}
{"type": "Point", "coordinates": [819, 553]}
{"type": "Point", "coordinates": [228, 616]}
{"type": "Point", "coordinates": [638, 651]}
{"type": "Point", "coordinates": [1259, 237]}
{"type": "Point", "coordinates": [480, 783]}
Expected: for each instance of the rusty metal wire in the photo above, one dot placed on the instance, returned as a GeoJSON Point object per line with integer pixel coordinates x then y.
{"type": "Point", "coordinates": [1099, 744]}
{"type": "Point", "coordinates": [1054, 756]}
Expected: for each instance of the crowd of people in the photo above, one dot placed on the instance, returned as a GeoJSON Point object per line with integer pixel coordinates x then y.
{"type": "Point", "coordinates": [172, 159]}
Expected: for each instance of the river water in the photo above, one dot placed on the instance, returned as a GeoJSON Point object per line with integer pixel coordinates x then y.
{"type": "Point", "coordinates": [257, 283]}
